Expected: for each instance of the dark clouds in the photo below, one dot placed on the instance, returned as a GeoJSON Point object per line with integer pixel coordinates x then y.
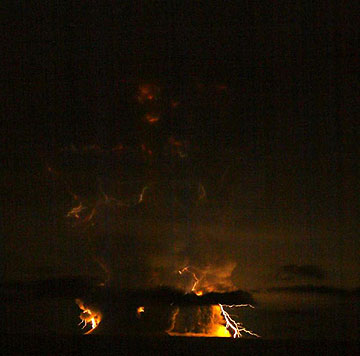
{"type": "Point", "coordinates": [295, 272]}
{"type": "Point", "coordinates": [90, 290]}
{"type": "Point", "coordinates": [316, 290]}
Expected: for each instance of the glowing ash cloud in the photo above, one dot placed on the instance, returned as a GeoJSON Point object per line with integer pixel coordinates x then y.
{"type": "Point", "coordinates": [143, 219]}
{"type": "Point", "coordinates": [214, 325]}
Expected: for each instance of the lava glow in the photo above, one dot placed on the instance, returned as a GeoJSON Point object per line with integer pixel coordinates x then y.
{"type": "Point", "coordinates": [214, 328]}
{"type": "Point", "coordinates": [219, 330]}
{"type": "Point", "coordinates": [139, 311]}
{"type": "Point", "coordinates": [88, 316]}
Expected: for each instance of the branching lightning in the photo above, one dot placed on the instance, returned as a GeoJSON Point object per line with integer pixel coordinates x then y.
{"type": "Point", "coordinates": [86, 214]}
{"type": "Point", "coordinates": [237, 329]}
{"type": "Point", "coordinates": [196, 279]}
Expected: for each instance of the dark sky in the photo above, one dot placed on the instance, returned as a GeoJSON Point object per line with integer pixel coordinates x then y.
{"type": "Point", "coordinates": [267, 108]}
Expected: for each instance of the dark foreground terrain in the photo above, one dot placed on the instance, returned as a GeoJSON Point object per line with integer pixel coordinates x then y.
{"type": "Point", "coordinates": [100, 345]}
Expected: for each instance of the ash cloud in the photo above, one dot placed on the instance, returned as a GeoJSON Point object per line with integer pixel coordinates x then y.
{"type": "Point", "coordinates": [145, 227]}
{"type": "Point", "coordinates": [141, 209]}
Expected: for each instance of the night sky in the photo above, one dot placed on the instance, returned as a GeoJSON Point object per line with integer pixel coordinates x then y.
{"type": "Point", "coordinates": [262, 189]}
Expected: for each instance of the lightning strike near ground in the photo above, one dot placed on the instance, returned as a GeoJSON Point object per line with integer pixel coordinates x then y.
{"type": "Point", "coordinates": [237, 329]}
{"type": "Point", "coordinates": [120, 206]}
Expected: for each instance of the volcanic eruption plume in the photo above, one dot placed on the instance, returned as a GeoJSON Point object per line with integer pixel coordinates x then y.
{"type": "Point", "coordinates": [139, 209]}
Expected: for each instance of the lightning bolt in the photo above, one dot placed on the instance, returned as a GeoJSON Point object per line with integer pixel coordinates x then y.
{"type": "Point", "coordinates": [237, 327]}
{"type": "Point", "coordinates": [193, 289]}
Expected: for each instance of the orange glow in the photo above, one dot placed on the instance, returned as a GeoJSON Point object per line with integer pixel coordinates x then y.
{"type": "Point", "coordinates": [193, 289]}
{"type": "Point", "coordinates": [177, 147]}
{"type": "Point", "coordinates": [145, 149]}
{"type": "Point", "coordinates": [50, 170]}
{"type": "Point", "coordinates": [88, 316]}
{"type": "Point", "coordinates": [151, 119]}
{"type": "Point", "coordinates": [174, 142]}
{"type": "Point", "coordinates": [215, 328]}
{"type": "Point", "coordinates": [218, 329]}
{"type": "Point", "coordinates": [74, 212]}
{"type": "Point", "coordinates": [147, 92]}
{"type": "Point", "coordinates": [221, 324]}
{"type": "Point", "coordinates": [139, 311]}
